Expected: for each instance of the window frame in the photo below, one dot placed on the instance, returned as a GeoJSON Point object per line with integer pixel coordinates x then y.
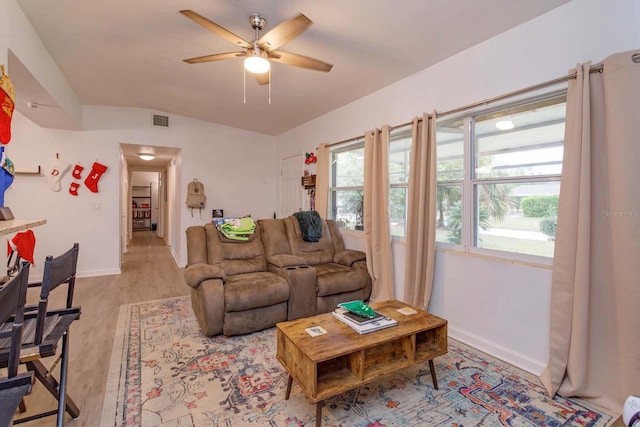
{"type": "Point", "coordinates": [471, 183]}
{"type": "Point", "coordinates": [354, 144]}
{"type": "Point", "coordinates": [396, 134]}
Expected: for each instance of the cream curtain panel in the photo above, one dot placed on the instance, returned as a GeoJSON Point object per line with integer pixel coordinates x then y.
{"type": "Point", "coordinates": [322, 180]}
{"type": "Point", "coordinates": [377, 234]}
{"type": "Point", "coordinates": [595, 295]}
{"type": "Point", "coordinates": [421, 225]}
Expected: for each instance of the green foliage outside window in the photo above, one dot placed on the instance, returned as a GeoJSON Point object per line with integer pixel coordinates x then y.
{"type": "Point", "coordinates": [539, 206]}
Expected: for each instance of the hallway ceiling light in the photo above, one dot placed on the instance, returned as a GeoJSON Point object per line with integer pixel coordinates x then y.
{"type": "Point", "coordinates": [146, 156]}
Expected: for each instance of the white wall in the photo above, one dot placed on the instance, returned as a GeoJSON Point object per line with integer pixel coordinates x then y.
{"type": "Point", "coordinates": [93, 219]}
{"type": "Point", "coordinates": [20, 37]}
{"type": "Point", "coordinates": [497, 306]}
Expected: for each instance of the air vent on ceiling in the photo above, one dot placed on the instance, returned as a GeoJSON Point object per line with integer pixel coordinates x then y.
{"type": "Point", "coordinates": [159, 120]}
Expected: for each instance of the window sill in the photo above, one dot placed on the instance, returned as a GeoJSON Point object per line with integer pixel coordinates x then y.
{"type": "Point", "coordinates": [352, 233]}
{"type": "Point", "coordinates": [499, 256]}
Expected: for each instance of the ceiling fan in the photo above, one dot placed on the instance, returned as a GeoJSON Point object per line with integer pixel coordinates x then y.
{"type": "Point", "coordinates": [263, 49]}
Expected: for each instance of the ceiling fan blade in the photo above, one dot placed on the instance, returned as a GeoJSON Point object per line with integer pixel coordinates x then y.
{"type": "Point", "coordinates": [286, 31]}
{"type": "Point", "coordinates": [262, 78]}
{"type": "Point", "coordinates": [301, 61]}
{"type": "Point", "coordinates": [215, 57]}
{"type": "Point", "coordinates": [216, 29]}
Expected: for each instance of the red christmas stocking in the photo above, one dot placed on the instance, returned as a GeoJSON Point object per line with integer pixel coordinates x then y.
{"type": "Point", "coordinates": [7, 97]}
{"type": "Point", "coordinates": [77, 171]}
{"type": "Point", "coordinates": [73, 188]}
{"type": "Point", "coordinates": [94, 176]}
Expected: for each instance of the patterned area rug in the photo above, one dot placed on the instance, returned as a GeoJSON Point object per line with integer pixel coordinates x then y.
{"type": "Point", "coordinates": [165, 373]}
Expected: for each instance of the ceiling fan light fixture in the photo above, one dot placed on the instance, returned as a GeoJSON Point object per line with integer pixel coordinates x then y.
{"type": "Point", "coordinates": [146, 156]}
{"type": "Point", "coordinates": [256, 64]}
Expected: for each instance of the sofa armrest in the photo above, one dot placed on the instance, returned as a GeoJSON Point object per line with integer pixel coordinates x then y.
{"type": "Point", "coordinates": [302, 289]}
{"type": "Point", "coordinates": [195, 274]}
{"type": "Point", "coordinates": [348, 256]}
{"type": "Point", "coordinates": [285, 260]}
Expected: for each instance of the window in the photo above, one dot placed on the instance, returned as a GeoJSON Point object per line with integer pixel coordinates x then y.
{"type": "Point", "coordinates": [347, 183]}
{"type": "Point", "coordinates": [399, 162]}
{"type": "Point", "coordinates": [346, 192]}
{"type": "Point", "coordinates": [506, 198]}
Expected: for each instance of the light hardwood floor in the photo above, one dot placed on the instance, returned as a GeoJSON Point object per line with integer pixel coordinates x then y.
{"type": "Point", "coordinates": [149, 272]}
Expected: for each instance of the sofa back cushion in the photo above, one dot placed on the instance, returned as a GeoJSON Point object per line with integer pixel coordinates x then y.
{"type": "Point", "coordinates": [274, 237]}
{"type": "Point", "coordinates": [237, 256]}
{"type": "Point", "coordinates": [313, 252]}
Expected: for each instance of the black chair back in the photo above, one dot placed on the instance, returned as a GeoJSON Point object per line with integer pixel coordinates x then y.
{"type": "Point", "coordinates": [13, 296]}
{"type": "Point", "coordinates": [58, 270]}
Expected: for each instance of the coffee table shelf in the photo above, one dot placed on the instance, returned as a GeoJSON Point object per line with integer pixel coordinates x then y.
{"type": "Point", "coordinates": [341, 360]}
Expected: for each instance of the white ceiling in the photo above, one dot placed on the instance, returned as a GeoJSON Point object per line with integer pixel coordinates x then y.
{"type": "Point", "coordinates": [129, 53]}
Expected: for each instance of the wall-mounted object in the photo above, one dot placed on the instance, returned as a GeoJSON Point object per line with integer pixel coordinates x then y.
{"type": "Point", "coordinates": [217, 213]}
{"type": "Point", "coordinates": [37, 172]}
{"type": "Point", "coordinates": [308, 181]}
{"type": "Point", "coordinates": [6, 214]}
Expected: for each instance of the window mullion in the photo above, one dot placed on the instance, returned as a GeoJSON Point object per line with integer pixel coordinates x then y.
{"type": "Point", "coordinates": [467, 187]}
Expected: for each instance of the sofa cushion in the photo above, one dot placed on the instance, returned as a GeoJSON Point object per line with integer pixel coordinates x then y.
{"type": "Point", "coordinates": [253, 290]}
{"type": "Point", "coordinates": [238, 256]}
{"type": "Point", "coordinates": [313, 252]}
{"type": "Point", "coordinates": [335, 279]}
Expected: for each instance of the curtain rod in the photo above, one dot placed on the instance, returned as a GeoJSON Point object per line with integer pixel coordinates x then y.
{"type": "Point", "coordinates": [595, 69]}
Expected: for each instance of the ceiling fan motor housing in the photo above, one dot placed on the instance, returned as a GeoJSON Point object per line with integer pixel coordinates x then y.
{"type": "Point", "coordinates": [257, 21]}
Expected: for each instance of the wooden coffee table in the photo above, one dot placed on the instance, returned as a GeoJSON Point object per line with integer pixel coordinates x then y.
{"type": "Point", "coordinates": [341, 360]}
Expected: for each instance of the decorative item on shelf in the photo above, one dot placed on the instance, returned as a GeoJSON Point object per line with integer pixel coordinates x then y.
{"type": "Point", "coordinates": [217, 213]}
{"type": "Point", "coordinates": [6, 214]}
{"type": "Point", "coordinates": [308, 181]}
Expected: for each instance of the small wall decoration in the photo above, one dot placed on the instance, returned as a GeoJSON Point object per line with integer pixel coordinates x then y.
{"type": "Point", "coordinates": [77, 174]}
{"type": "Point", "coordinates": [7, 104]}
{"type": "Point", "coordinates": [55, 173]}
{"type": "Point", "coordinates": [6, 174]}
{"type": "Point", "coordinates": [310, 158]}
{"type": "Point", "coordinates": [97, 170]}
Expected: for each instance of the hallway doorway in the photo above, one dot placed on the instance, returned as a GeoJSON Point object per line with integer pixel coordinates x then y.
{"type": "Point", "coordinates": [148, 194]}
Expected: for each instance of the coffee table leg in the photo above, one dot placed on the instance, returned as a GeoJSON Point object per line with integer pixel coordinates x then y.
{"type": "Point", "coordinates": [289, 382]}
{"type": "Point", "coordinates": [319, 406]}
{"type": "Point", "coordinates": [433, 374]}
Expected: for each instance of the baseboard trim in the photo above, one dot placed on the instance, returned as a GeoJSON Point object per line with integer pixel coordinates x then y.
{"type": "Point", "coordinates": [36, 278]}
{"type": "Point", "coordinates": [525, 363]}
{"type": "Point", "coordinates": [179, 263]}
{"type": "Point", "coordinates": [94, 273]}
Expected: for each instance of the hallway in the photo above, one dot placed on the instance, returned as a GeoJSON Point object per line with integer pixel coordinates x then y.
{"type": "Point", "coordinates": [149, 272]}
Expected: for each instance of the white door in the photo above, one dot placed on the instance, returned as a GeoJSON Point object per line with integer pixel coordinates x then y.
{"type": "Point", "coordinates": [291, 190]}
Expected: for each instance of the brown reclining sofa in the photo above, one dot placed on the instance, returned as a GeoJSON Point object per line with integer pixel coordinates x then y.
{"type": "Point", "coordinates": [239, 287]}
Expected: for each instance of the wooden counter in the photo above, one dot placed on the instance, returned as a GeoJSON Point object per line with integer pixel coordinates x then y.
{"type": "Point", "coordinates": [15, 225]}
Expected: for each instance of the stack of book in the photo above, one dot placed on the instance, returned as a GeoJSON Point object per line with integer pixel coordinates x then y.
{"type": "Point", "coordinates": [361, 324]}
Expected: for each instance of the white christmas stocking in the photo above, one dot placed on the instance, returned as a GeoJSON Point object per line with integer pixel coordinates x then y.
{"type": "Point", "coordinates": [57, 169]}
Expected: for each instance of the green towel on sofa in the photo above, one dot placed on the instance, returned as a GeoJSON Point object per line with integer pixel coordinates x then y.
{"type": "Point", "coordinates": [235, 228]}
